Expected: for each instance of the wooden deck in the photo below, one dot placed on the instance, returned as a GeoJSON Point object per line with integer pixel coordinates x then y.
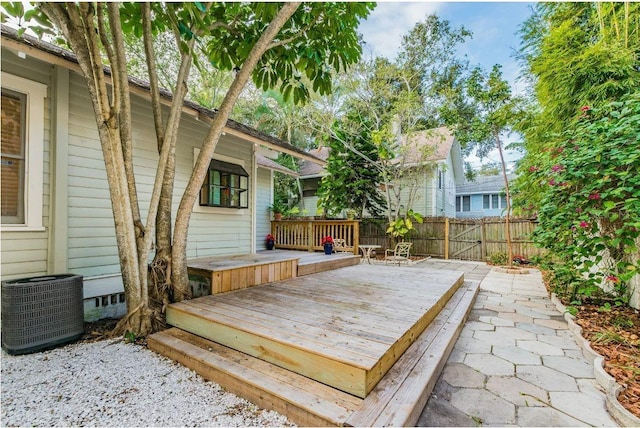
{"type": "Point", "coordinates": [338, 329]}
{"type": "Point", "coordinates": [313, 348]}
{"type": "Point", "coordinates": [215, 275]}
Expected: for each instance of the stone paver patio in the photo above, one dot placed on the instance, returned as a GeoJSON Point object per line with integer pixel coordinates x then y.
{"type": "Point", "coordinates": [516, 363]}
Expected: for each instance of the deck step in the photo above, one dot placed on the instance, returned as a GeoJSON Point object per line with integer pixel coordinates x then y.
{"type": "Point", "coordinates": [400, 397]}
{"type": "Point", "coordinates": [397, 400]}
{"type": "Point", "coordinates": [322, 263]}
{"type": "Point", "coordinates": [330, 327]}
{"type": "Point", "coordinates": [304, 401]}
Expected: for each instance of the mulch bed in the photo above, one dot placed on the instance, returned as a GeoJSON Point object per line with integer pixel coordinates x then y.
{"type": "Point", "coordinates": [614, 333]}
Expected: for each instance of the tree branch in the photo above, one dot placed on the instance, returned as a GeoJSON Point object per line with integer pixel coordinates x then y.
{"type": "Point", "coordinates": [297, 35]}
{"type": "Point", "coordinates": [154, 87]}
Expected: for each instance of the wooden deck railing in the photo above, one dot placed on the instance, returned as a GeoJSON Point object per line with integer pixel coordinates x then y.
{"type": "Point", "coordinates": [308, 234]}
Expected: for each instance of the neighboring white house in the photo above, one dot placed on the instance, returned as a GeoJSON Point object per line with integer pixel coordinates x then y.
{"type": "Point", "coordinates": [56, 209]}
{"type": "Point", "coordinates": [483, 197]}
{"type": "Point", "coordinates": [311, 174]}
{"type": "Point", "coordinates": [436, 190]}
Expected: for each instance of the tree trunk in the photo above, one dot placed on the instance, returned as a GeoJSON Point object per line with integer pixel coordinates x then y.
{"type": "Point", "coordinates": [179, 275]}
{"type": "Point", "coordinates": [78, 25]}
{"type": "Point", "coordinates": [507, 217]}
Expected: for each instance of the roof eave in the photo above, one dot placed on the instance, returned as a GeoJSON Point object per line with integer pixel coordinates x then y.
{"type": "Point", "coordinates": [57, 56]}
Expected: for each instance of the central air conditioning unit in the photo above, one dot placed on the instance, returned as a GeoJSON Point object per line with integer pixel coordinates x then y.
{"type": "Point", "coordinates": [41, 312]}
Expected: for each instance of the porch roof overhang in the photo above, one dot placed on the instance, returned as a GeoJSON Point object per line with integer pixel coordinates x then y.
{"type": "Point", "coordinates": [265, 162]}
{"type": "Point", "coordinates": [56, 55]}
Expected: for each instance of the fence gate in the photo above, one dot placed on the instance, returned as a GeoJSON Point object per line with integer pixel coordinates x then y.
{"type": "Point", "coordinates": [465, 240]}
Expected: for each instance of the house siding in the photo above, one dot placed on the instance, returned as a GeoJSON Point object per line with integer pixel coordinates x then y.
{"type": "Point", "coordinates": [92, 243]}
{"type": "Point", "coordinates": [449, 190]}
{"type": "Point", "coordinates": [309, 206]}
{"type": "Point", "coordinates": [263, 200]}
{"type": "Point", "coordinates": [24, 253]}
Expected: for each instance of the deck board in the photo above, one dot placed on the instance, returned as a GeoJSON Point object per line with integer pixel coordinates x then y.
{"type": "Point", "coordinates": [396, 401]}
{"type": "Point", "coordinates": [321, 326]}
{"type": "Point", "coordinates": [222, 274]}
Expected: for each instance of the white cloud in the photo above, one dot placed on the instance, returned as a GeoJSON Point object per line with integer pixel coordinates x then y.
{"type": "Point", "coordinates": [389, 21]}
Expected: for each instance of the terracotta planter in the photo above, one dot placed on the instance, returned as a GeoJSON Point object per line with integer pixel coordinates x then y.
{"type": "Point", "coordinates": [277, 216]}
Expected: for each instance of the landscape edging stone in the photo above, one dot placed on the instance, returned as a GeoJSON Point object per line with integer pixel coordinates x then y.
{"type": "Point", "coordinates": [605, 380]}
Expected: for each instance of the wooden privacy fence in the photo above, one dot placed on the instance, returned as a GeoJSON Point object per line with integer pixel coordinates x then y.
{"type": "Point", "coordinates": [463, 239]}
{"type": "Point", "coordinates": [308, 234]}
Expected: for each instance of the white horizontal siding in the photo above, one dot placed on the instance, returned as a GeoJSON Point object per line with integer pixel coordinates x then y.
{"type": "Point", "coordinates": [24, 254]}
{"type": "Point", "coordinates": [92, 244]}
{"type": "Point", "coordinates": [263, 223]}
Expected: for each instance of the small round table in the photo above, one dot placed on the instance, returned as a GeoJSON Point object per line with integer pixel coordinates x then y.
{"type": "Point", "coordinates": [366, 252]}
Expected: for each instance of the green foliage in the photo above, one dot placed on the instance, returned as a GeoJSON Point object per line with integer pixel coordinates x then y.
{"type": "Point", "coordinates": [608, 337]}
{"type": "Point", "coordinates": [318, 39]}
{"type": "Point", "coordinates": [622, 322]}
{"type": "Point", "coordinates": [576, 54]}
{"type": "Point", "coordinates": [496, 110]}
{"type": "Point", "coordinates": [130, 337]}
{"type": "Point", "coordinates": [401, 227]}
{"type": "Point", "coordinates": [277, 207]}
{"type": "Point", "coordinates": [591, 192]}
{"type": "Point", "coordinates": [353, 174]}
{"type": "Point", "coordinates": [572, 310]}
{"type": "Point", "coordinates": [498, 258]}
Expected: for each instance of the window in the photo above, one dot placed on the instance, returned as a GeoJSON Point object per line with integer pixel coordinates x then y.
{"type": "Point", "coordinates": [463, 203]}
{"type": "Point", "coordinates": [494, 202]}
{"type": "Point", "coordinates": [22, 150]}
{"type": "Point", "coordinates": [226, 185]}
{"type": "Point", "coordinates": [466, 203]}
{"type": "Point", "coordinates": [440, 179]}
{"type": "Point", "coordinates": [13, 156]}
{"type": "Point", "coordinates": [310, 187]}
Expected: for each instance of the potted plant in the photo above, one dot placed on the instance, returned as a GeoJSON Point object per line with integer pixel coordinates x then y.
{"type": "Point", "coordinates": [277, 208]}
{"type": "Point", "coordinates": [327, 243]}
{"type": "Point", "coordinates": [271, 241]}
{"type": "Point", "coordinates": [351, 214]}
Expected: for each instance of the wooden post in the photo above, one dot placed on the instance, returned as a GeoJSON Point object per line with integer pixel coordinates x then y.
{"type": "Point", "coordinates": [356, 236]}
{"type": "Point", "coordinates": [446, 238]}
{"type": "Point", "coordinates": [310, 236]}
{"type": "Point", "coordinates": [483, 238]}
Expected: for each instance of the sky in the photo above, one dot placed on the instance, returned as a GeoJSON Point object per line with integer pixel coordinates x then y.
{"type": "Point", "coordinates": [494, 26]}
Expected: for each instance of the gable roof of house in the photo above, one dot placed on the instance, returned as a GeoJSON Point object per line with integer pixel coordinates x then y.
{"type": "Point", "coordinates": [54, 54]}
{"type": "Point", "coordinates": [440, 140]}
{"type": "Point", "coordinates": [483, 184]}
{"type": "Point", "coordinates": [308, 169]}
{"type": "Point", "coordinates": [267, 163]}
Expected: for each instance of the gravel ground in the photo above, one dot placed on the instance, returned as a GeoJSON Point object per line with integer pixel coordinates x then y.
{"type": "Point", "coordinates": [110, 383]}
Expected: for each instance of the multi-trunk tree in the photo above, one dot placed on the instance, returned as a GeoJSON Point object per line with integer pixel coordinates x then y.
{"type": "Point", "coordinates": [275, 44]}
